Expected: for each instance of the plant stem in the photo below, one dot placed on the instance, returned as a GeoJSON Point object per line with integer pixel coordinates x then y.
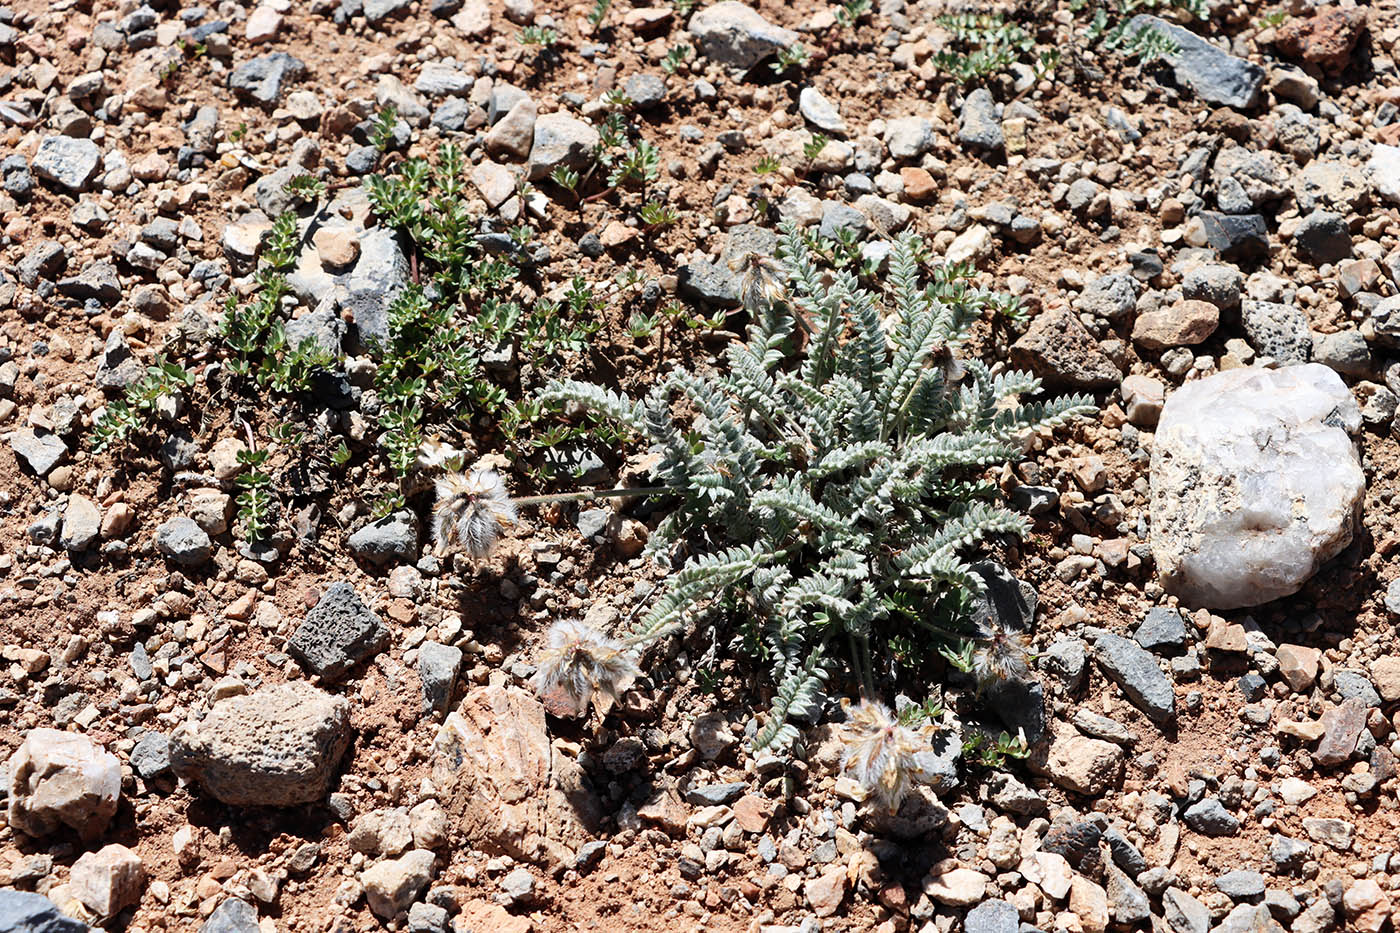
{"type": "Point", "coordinates": [585, 494]}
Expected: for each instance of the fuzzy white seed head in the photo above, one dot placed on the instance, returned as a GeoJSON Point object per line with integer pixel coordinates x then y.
{"type": "Point", "coordinates": [1002, 657]}
{"type": "Point", "coordinates": [471, 512]}
{"type": "Point", "coordinates": [883, 756]}
{"type": "Point", "coordinates": [762, 280]}
{"type": "Point", "coordinates": [582, 666]}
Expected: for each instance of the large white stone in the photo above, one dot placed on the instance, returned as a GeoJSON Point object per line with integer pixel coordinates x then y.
{"type": "Point", "coordinates": [1385, 171]}
{"type": "Point", "coordinates": [1255, 483]}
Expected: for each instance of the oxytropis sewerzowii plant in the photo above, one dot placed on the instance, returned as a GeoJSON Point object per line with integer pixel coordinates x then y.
{"type": "Point", "coordinates": [827, 487]}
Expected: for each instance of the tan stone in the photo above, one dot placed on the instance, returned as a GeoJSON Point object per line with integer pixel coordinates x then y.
{"type": "Point", "coordinates": [1089, 903]}
{"type": "Point", "coordinates": [1226, 637]}
{"type": "Point", "coordinates": [1185, 323]}
{"type": "Point", "coordinates": [1081, 764]}
{"type": "Point", "coordinates": [918, 184]}
{"type": "Point", "coordinates": [826, 891]}
{"type": "Point", "coordinates": [949, 884]}
{"type": "Point", "coordinates": [62, 779]}
{"type": "Point", "coordinates": [1385, 672]}
{"type": "Point", "coordinates": [1297, 665]}
{"type": "Point", "coordinates": [109, 880]}
{"type": "Point", "coordinates": [338, 247]}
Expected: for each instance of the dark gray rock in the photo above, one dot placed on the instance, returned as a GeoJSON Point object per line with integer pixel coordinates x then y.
{"type": "Point", "coordinates": [1124, 854]}
{"type": "Point", "coordinates": [323, 327]}
{"type": "Point", "coordinates": [1323, 236]}
{"type": "Point", "coordinates": [1214, 75]}
{"type": "Point", "coordinates": [707, 795]}
{"type": "Point", "coordinates": [44, 260]}
{"type": "Point", "coordinates": [362, 159]}
{"type": "Point", "coordinates": [392, 539]}
{"type": "Point", "coordinates": [232, 916]}
{"type": "Point", "coordinates": [339, 632]}
{"type": "Point", "coordinates": [978, 126]}
{"type": "Point", "coordinates": [451, 116]}
{"type": "Point", "coordinates": [993, 916]}
{"type": "Point", "coordinates": [1210, 818]}
{"type": "Point", "coordinates": [1236, 236]}
{"type": "Point", "coordinates": [151, 755]}
{"type": "Point", "coordinates": [838, 215]}
{"type": "Point", "coordinates": [118, 367]}
{"type": "Point", "coordinates": [1277, 330]}
{"type": "Point", "coordinates": [1008, 604]}
{"type": "Point", "coordinates": [98, 280]}
{"type": "Point", "coordinates": [1136, 672]}
{"type": "Point", "coordinates": [264, 78]}
{"type": "Point", "coordinates": [437, 672]}
{"type": "Point", "coordinates": [1129, 902]}
{"type": "Point", "coordinates": [1020, 705]}
{"type": "Point", "coordinates": [24, 912]}
{"type": "Point", "coordinates": [1289, 855]}
{"type": "Point", "coordinates": [1354, 684]}
{"type": "Point", "coordinates": [705, 281]}
{"type": "Point", "coordinates": [1217, 283]}
{"type": "Point", "coordinates": [1035, 500]}
{"type": "Point", "coordinates": [1163, 631]}
{"type": "Point", "coordinates": [182, 541]}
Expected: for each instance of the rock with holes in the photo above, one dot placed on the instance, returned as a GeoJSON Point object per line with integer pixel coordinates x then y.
{"type": "Point", "coordinates": [277, 747]}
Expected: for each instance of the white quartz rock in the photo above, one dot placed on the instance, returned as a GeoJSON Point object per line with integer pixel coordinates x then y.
{"type": "Point", "coordinates": [1256, 483]}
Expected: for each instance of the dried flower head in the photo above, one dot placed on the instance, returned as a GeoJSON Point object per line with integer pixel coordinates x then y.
{"type": "Point", "coordinates": [884, 756]}
{"type": "Point", "coordinates": [761, 279]}
{"type": "Point", "coordinates": [471, 511]}
{"type": "Point", "coordinates": [1002, 657]}
{"type": "Point", "coordinates": [582, 666]}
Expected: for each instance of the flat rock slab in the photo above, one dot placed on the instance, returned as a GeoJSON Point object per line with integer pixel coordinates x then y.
{"type": "Point", "coordinates": [1135, 671]}
{"type": "Point", "coordinates": [1255, 484]}
{"type": "Point", "coordinates": [505, 785]}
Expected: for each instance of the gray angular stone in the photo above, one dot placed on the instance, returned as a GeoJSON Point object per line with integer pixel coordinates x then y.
{"type": "Point", "coordinates": [1163, 630]}
{"type": "Point", "coordinates": [338, 633]}
{"type": "Point", "coordinates": [1345, 351]}
{"type": "Point", "coordinates": [1220, 284]}
{"type": "Point", "coordinates": [1288, 854]}
{"type": "Point", "coordinates": [1109, 296]}
{"type": "Point", "coordinates": [1255, 483]}
{"type": "Point", "coordinates": [1241, 884]}
{"type": "Point", "coordinates": [1066, 659]}
{"type": "Point", "coordinates": [1183, 913]}
{"type": "Point", "coordinates": [277, 747]}
{"type": "Point", "coordinates": [118, 367]}
{"type": "Point", "coordinates": [379, 275]}
{"type": "Point", "coordinates": [97, 280]}
{"type": "Point", "coordinates": [709, 795]}
{"type": "Point", "coordinates": [978, 126]}
{"type": "Point", "coordinates": [376, 11]}
{"type": "Point", "coordinates": [323, 327]}
{"type": "Point", "coordinates": [1215, 76]}
{"type": "Point", "coordinates": [992, 916]}
{"type": "Point", "coordinates": [264, 78]}
{"type": "Point", "coordinates": [391, 539]}
{"type": "Point", "coordinates": [561, 141]}
{"type": "Point", "coordinates": [1355, 685]}
{"type": "Point", "coordinates": [706, 281]}
{"type": "Point", "coordinates": [1236, 236]}
{"type": "Point", "coordinates": [1136, 672]}
{"type": "Point", "coordinates": [25, 912]}
{"type": "Point", "coordinates": [1323, 237]}
{"type": "Point", "coordinates": [909, 137]}
{"type": "Point", "coordinates": [1210, 818]}
{"type": "Point", "coordinates": [736, 36]}
{"type": "Point", "coordinates": [39, 452]}
{"type": "Point", "coordinates": [1058, 348]}
{"type": "Point", "coordinates": [838, 215]}
{"type": "Point", "coordinates": [232, 916]}
{"type": "Point", "coordinates": [182, 540]}
{"type": "Point", "coordinates": [151, 755]}
{"type": "Point", "coordinates": [645, 90]}
{"type": "Point", "coordinates": [67, 161]}
{"type": "Point", "coordinates": [437, 672]}
{"type": "Point", "coordinates": [1129, 902]}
